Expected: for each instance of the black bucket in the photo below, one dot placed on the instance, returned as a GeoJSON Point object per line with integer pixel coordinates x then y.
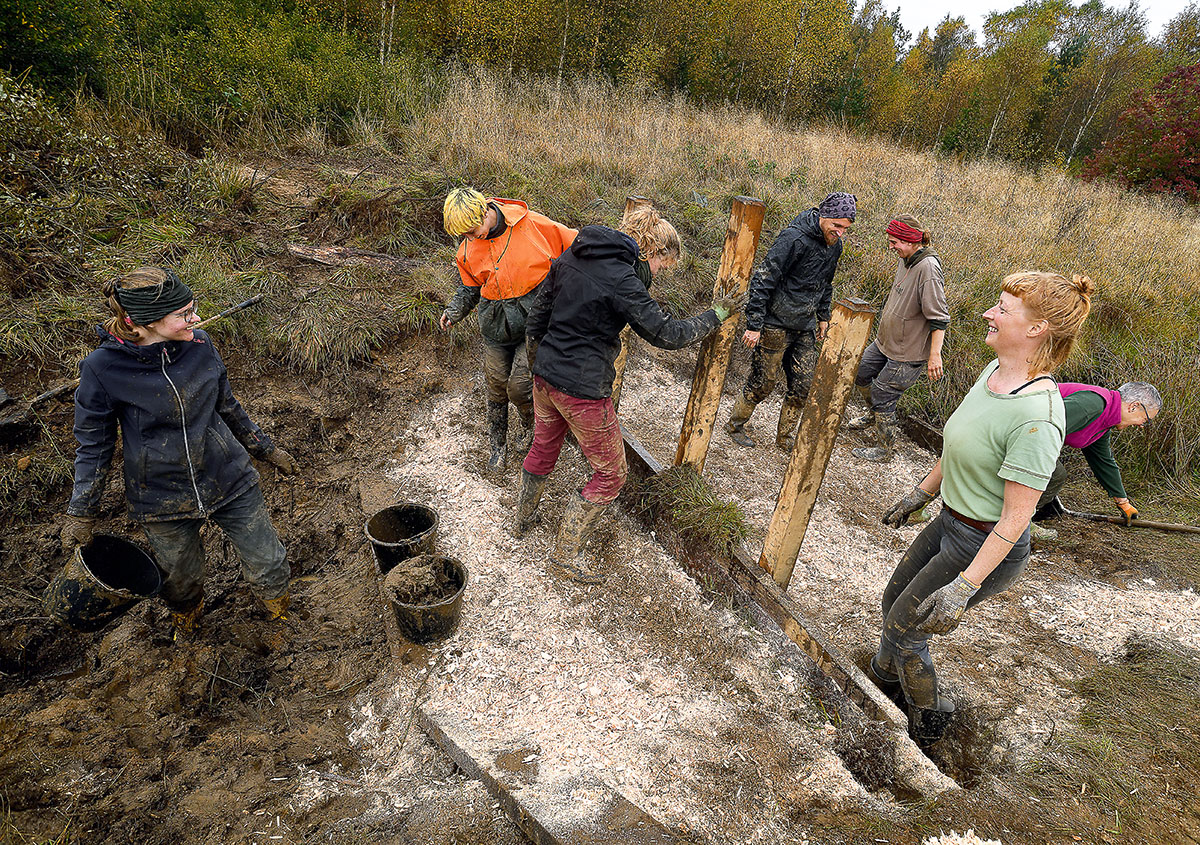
{"type": "Point", "coordinates": [424, 623]}
{"type": "Point", "coordinates": [101, 581]}
{"type": "Point", "coordinates": [400, 532]}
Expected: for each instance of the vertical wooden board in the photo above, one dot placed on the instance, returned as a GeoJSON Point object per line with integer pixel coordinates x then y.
{"type": "Point", "coordinates": [849, 331]}
{"type": "Point", "coordinates": [712, 365]}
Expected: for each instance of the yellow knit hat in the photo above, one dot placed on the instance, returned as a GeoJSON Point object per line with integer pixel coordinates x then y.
{"type": "Point", "coordinates": [463, 210]}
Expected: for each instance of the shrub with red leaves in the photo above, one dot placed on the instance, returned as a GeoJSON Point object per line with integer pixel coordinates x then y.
{"type": "Point", "coordinates": [1157, 144]}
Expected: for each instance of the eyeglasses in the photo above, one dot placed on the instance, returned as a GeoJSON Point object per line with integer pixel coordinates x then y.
{"type": "Point", "coordinates": [187, 313]}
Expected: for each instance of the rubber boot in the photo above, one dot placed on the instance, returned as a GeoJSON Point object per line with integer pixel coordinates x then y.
{"type": "Point", "coordinates": [867, 420]}
{"type": "Point", "coordinates": [888, 683]}
{"type": "Point", "coordinates": [525, 441]}
{"type": "Point", "coordinates": [928, 726]}
{"type": "Point", "coordinates": [497, 420]}
{"type": "Point", "coordinates": [789, 417]}
{"type": "Point", "coordinates": [277, 608]}
{"type": "Point", "coordinates": [1041, 533]}
{"type": "Point", "coordinates": [885, 426]}
{"type": "Point", "coordinates": [185, 622]}
{"type": "Point", "coordinates": [737, 422]}
{"type": "Point", "coordinates": [1050, 510]}
{"type": "Point", "coordinates": [532, 487]}
{"type": "Point", "coordinates": [578, 523]}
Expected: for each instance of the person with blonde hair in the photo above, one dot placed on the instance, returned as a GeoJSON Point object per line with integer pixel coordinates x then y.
{"type": "Point", "coordinates": [596, 288]}
{"type": "Point", "coordinates": [999, 450]}
{"type": "Point", "coordinates": [912, 326]}
{"type": "Point", "coordinates": [505, 253]}
{"type": "Point", "coordinates": [187, 444]}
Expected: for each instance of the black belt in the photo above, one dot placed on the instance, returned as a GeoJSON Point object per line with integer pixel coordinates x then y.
{"type": "Point", "coordinates": [978, 525]}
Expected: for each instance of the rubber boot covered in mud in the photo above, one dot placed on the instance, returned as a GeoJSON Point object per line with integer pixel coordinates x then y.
{"type": "Point", "coordinates": [497, 422]}
{"type": "Point", "coordinates": [185, 622]}
{"type": "Point", "coordinates": [885, 427]}
{"type": "Point", "coordinates": [888, 683]}
{"type": "Point", "coordinates": [789, 418]}
{"type": "Point", "coordinates": [737, 422]}
{"type": "Point", "coordinates": [532, 487]}
{"type": "Point", "coordinates": [928, 726]}
{"type": "Point", "coordinates": [525, 441]}
{"type": "Point", "coordinates": [867, 420]}
{"type": "Point", "coordinates": [578, 523]}
{"type": "Point", "coordinates": [277, 608]}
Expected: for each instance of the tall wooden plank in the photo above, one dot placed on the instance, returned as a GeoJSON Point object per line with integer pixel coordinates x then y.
{"type": "Point", "coordinates": [631, 203]}
{"type": "Point", "coordinates": [737, 260]}
{"type": "Point", "coordinates": [849, 331]}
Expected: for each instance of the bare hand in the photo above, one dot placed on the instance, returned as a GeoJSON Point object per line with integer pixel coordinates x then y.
{"type": "Point", "coordinates": [936, 371]}
{"type": "Point", "coordinates": [822, 330]}
{"type": "Point", "coordinates": [444, 322]}
{"type": "Point", "coordinates": [750, 339]}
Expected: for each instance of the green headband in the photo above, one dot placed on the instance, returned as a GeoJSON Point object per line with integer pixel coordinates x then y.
{"type": "Point", "coordinates": [153, 302]}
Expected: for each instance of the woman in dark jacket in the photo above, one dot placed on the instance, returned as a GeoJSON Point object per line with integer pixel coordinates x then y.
{"type": "Point", "coordinates": [596, 288]}
{"type": "Point", "coordinates": [186, 441]}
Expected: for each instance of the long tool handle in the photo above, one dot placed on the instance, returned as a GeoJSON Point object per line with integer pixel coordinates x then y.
{"type": "Point", "coordinates": [1137, 523]}
{"type": "Point", "coordinates": [254, 300]}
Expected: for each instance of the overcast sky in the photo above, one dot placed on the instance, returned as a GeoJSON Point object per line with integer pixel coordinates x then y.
{"type": "Point", "coordinates": [928, 13]}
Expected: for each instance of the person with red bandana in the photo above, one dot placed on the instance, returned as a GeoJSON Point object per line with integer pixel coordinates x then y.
{"type": "Point", "coordinates": [1092, 414]}
{"type": "Point", "coordinates": [912, 327]}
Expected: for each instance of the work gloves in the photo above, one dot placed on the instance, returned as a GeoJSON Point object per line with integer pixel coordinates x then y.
{"type": "Point", "coordinates": [944, 609]}
{"type": "Point", "coordinates": [76, 531]}
{"type": "Point", "coordinates": [899, 513]}
{"type": "Point", "coordinates": [1128, 509]}
{"type": "Point", "coordinates": [281, 460]}
{"type": "Point", "coordinates": [729, 304]}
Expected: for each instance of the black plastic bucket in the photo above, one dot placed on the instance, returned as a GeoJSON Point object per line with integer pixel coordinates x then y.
{"type": "Point", "coordinates": [424, 623]}
{"type": "Point", "coordinates": [101, 581]}
{"type": "Point", "coordinates": [400, 532]}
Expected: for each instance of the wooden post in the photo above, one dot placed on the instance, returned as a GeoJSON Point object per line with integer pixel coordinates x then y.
{"type": "Point", "coordinates": [737, 259]}
{"type": "Point", "coordinates": [833, 380]}
{"type": "Point", "coordinates": [631, 203]}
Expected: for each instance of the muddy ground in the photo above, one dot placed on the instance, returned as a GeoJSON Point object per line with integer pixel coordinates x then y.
{"type": "Point", "coordinates": [303, 732]}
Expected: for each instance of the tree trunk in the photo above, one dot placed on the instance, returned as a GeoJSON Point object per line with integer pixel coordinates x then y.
{"type": "Point", "coordinates": [562, 55]}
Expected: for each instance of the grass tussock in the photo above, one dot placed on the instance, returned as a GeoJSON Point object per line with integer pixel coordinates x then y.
{"type": "Point", "coordinates": [29, 480]}
{"type": "Point", "coordinates": [695, 511]}
{"type": "Point", "coordinates": [1137, 741]}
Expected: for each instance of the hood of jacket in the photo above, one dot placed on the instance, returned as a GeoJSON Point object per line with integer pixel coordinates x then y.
{"type": "Point", "coordinates": [513, 210]}
{"type": "Point", "coordinates": [600, 243]}
{"type": "Point", "coordinates": [809, 222]}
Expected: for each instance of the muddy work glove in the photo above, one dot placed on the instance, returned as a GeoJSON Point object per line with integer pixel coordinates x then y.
{"type": "Point", "coordinates": [76, 531]}
{"type": "Point", "coordinates": [899, 513]}
{"type": "Point", "coordinates": [281, 460]}
{"type": "Point", "coordinates": [1128, 509]}
{"type": "Point", "coordinates": [730, 304]}
{"type": "Point", "coordinates": [944, 609]}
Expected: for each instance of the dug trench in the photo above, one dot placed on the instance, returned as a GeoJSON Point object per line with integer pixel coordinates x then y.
{"type": "Point", "coordinates": [673, 694]}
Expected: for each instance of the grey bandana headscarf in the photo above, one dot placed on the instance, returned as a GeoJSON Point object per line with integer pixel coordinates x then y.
{"type": "Point", "coordinates": [839, 204]}
{"type": "Point", "coordinates": [146, 304]}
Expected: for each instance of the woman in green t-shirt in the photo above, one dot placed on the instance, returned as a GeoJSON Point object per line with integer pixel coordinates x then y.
{"type": "Point", "coordinates": [998, 451]}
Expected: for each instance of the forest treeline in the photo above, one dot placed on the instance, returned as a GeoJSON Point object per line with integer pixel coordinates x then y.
{"type": "Point", "coordinates": [1046, 81]}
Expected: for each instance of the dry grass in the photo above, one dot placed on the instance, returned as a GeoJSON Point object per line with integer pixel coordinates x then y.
{"type": "Point", "coordinates": [576, 153]}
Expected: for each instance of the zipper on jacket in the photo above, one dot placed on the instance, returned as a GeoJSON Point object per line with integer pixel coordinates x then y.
{"type": "Point", "coordinates": [186, 446]}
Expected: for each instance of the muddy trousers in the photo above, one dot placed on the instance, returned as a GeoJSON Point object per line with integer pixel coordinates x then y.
{"type": "Point", "coordinates": [779, 350]}
{"type": "Point", "coordinates": [1058, 478]}
{"type": "Point", "coordinates": [506, 372]}
{"type": "Point", "coordinates": [245, 521]}
{"type": "Point", "coordinates": [888, 379]}
{"type": "Point", "coordinates": [944, 549]}
{"type": "Point", "coordinates": [594, 424]}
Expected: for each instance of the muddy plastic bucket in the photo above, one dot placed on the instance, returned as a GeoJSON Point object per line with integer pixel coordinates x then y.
{"type": "Point", "coordinates": [101, 581]}
{"type": "Point", "coordinates": [435, 620]}
{"type": "Point", "coordinates": [400, 532]}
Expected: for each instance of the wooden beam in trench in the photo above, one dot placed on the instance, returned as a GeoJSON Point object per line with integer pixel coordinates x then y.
{"type": "Point", "coordinates": [849, 331]}
{"type": "Point", "coordinates": [913, 769]}
{"type": "Point", "coordinates": [737, 259]}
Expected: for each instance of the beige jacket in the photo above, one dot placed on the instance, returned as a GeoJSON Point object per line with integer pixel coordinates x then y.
{"type": "Point", "coordinates": [915, 308]}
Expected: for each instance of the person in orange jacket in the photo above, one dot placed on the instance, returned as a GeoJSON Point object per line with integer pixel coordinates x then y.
{"type": "Point", "coordinates": [503, 258]}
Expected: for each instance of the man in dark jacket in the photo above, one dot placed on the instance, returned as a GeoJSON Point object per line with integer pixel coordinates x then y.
{"type": "Point", "coordinates": [791, 294]}
{"type": "Point", "coordinates": [592, 292]}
